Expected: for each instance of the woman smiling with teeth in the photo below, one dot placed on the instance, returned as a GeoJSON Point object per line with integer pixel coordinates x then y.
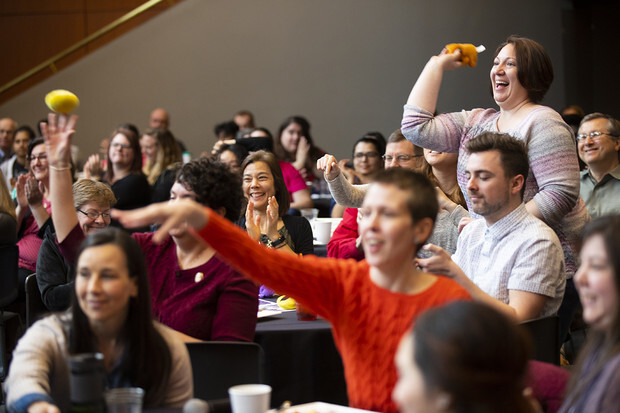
{"type": "Point", "coordinates": [268, 200]}
{"type": "Point", "coordinates": [520, 76]}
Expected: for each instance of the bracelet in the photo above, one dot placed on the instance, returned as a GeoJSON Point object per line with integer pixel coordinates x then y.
{"type": "Point", "coordinates": [60, 168]}
{"type": "Point", "coordinates": [279, 243]}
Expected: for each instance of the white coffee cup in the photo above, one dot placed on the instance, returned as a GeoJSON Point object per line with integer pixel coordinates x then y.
{"type": "Point", "coordinates": [323, 231]}
{"type": "Point", "coordinates": [250, 398]}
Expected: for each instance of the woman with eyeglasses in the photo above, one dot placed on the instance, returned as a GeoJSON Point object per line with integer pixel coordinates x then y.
{"type": "Point", "coordinates": [124, 169]}
{"type": "Point", "coordinates": [55, 274]}
{"type": "Point", "coordinates": [193, 291]}
{"type": "Point", "coordinates": [520, 76]}
{"type": "Point", "coordinates": [367, 161]}
{"type": "Point", "coordinates": [33, 208]}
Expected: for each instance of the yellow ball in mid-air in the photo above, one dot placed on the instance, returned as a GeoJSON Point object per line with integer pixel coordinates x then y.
{"type": "Point", "coordinates": [61, 101]}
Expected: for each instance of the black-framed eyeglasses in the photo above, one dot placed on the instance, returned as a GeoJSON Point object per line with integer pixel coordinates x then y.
{"type": "Point", "coordinates": [399, 158]}
{"type": "Point", "coordinates": [367, 155]}
{"type": "Point", "coordinates": [41, 157]}
{"type": "Point", "coordinates": [593, 135]}
{"type": "Point", "coordinates": [94, 215]}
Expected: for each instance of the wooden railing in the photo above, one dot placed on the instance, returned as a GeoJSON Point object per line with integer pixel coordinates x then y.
{"type": "Point", "coordinates": [51, 62]}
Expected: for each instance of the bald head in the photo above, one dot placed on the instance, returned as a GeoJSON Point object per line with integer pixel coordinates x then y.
{"type": "Point", "coordinates": [7, 130]}
{"type": "Point", "coordinates": [159, 119]}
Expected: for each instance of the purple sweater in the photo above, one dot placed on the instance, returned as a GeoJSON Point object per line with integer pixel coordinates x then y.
{"type": "Point", "coordinates": [553, 181]}
{"type": "Point", "coordinates": [221, 305]}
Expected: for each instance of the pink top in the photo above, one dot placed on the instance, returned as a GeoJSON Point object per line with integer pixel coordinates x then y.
{"type": "Point", "coordinates": [292, 178]}
{"type": "Point", "coordinates": [30, 243]}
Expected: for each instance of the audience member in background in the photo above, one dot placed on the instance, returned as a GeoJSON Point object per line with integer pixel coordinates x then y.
{"type": "Point", "coordinates": [226, 130]}
{"type": "Point", "coordinates": [461, 358]}
{"type": "Point", "coordinates": [159, 119]}
{"type": "Point", "coordinates": [265, 219]}
{"type": "Point", "coordinates": [232, 156]}
{"type": "Point", "coordinates": [7, 130]}
{"type": "Point", "coordinates": [124, 171]}
{"type": "Point", "coordinates": [294, 144]}
{"type": "Point", "coordinates": [520, 77]}
{"type": "Point", "coordinates": [400, 153]}
{"type": "Point", "coordinates": [511, 260]}
{"type": "Point", "coordinates": [598, 143]}
{"type": "Point", "coordinates": [370, 304]}
{"type": "Point", "coordinates": [111, 316]}
{"type": "Point", "coordinates": [92, 201]}
{"type": "Point", "coordinates": [8, 223]}
{"type": "Point", "coordinates": [367, 152]}
{"type": "Point", "coordinates": [244, 119]}
{"type": "Point", "coordinates": [18, 163]}
{"type": "Point", "coordinates": [33, 208]}
{"type": "Point", "coordinates": [596, 378]}
{"type": "Point", "coordinates": [162, 156]}
{"type": "Point", "coordinates": [193, 290]}
{"type": "Point", "coordinates": [299, 194]}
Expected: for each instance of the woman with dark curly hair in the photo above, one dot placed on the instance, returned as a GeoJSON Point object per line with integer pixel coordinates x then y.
{"type": "Point", "coordinates": [192, 290]}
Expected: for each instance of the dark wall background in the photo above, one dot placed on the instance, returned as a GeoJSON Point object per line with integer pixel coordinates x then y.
{"type": "Point", "coordinates": [347, 65]}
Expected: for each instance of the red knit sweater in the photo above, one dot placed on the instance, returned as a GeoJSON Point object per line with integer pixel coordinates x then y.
{"type": "Point", "coordinates": [367, 320]}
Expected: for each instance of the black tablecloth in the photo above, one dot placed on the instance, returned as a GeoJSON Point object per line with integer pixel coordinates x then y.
{"type": "Point", "coordinates": [301, 361]}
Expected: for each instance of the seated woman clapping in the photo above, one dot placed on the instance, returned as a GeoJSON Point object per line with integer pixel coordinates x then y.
{"type": "Point", "coordinates": [370, 304]}
{"type": "Point", "coordinates": [111, 316]}
{"type": "Point", "coordinates": [193, 290]}
{"type": "Point", "coordinates": [268, 200]}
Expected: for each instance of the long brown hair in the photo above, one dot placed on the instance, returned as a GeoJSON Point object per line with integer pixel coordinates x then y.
{"type": "Point", "coordinates": [168, 153]}
{"type": "Point", "coordinates": [134, 142]}
{"type": "Point", "coordinates": [601, 346]}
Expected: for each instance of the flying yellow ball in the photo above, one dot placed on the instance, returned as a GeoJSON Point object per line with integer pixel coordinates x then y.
{"type": "Point", "coordinates": [61, 101]}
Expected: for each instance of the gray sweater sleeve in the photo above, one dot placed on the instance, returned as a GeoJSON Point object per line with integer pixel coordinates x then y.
{"type": "Point", "coordinates": [347, 194]}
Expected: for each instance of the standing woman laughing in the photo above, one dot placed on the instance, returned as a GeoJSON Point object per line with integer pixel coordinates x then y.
{"type": "Point", "coordinates": [520, 76]}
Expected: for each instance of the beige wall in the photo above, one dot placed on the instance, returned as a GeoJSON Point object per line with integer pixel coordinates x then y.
{"type": "Point", "coordinates": [347, 65]}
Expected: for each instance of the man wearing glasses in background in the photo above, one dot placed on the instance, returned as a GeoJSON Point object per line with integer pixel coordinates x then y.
{"type": "Point", "coordinates": [598, 143]}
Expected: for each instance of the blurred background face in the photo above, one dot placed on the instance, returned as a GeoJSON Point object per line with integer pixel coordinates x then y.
{"type": "Point", "coordinates": [149, 147]}
{"type": "Point", "coordinates": [159, 119]}
{"type": "Point", "coordinates": [121, 153]}
{"type": "Point", "coordinates": [439, 159]}
{"type": "Point", "coordinates": [290, 137]}
{"type": "Point", "coordinates": [20, 144]}
{"type": "Point", "coordinates": [230, 159]}
{"type": "Point", "coordinates": [7, 129]}
{"type": "Point", "coordinates": [366, 159]}
{"type": "Point", "coordinates": [38, 162]}
{"type": "Point", "coordinates": [595, 282]}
